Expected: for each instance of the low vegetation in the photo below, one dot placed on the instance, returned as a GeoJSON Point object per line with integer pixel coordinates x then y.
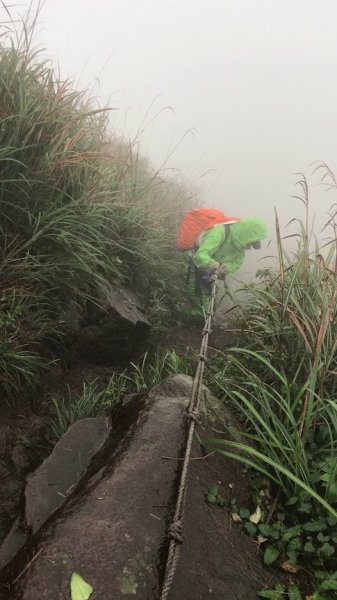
{"type": "Point", "coordinates": [281, 379]}
{"type": "Point", "coordinates": [94, 400]}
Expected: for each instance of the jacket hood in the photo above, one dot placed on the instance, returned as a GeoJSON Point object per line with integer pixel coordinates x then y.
{"type": "Point", "coordinates": [247, 232]}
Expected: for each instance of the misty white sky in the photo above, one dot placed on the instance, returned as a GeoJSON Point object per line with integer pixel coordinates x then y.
{"type": "Point", "coordinates": [251, 85]}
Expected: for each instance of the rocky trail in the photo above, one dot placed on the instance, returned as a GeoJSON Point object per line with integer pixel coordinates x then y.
{"type": "Point", "coordinates": [108, 523]}
{"type": "Point", "coordinates": [101, 502]}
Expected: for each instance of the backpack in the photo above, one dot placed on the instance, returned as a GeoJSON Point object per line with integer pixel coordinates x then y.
{"type": "Point", "coordinates": [198, 220]}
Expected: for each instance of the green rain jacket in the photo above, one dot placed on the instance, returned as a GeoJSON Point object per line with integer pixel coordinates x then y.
{"type": "Point", "coordinates": [228, 249]}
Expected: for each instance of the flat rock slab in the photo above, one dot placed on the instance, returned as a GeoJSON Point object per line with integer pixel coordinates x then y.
{"type": "Point", "coordinates": [113, 537]}
{"type": "Point", "coordinates": [52, 483]}
{"type": "Point", "coordinates": [114, 332]}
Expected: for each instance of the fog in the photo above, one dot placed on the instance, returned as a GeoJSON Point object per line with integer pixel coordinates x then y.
{"type": "Point", "coordinates": [236, 95]}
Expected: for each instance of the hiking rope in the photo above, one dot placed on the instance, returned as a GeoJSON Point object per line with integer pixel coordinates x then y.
{"type": "Point", "coordinates": [175, 529]}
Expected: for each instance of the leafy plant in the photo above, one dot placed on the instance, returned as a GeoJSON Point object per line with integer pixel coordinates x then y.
{"type": "Point", "coordinates": [280, 592]}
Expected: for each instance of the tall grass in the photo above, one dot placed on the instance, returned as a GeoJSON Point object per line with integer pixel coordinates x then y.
{"type": "Point", "coordinates": [79, 211]}
{"type": "Point", "coordinates": [281, 377]}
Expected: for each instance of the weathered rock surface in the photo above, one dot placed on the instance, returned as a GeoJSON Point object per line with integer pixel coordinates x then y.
{"type": "Point", "coordinates": [114, 332]}
{"type": "Point", "coordinates": [12, 485]}
{"type": "Point", "coordinates": [53, 482]}
{"type": "Point", "coordinates": [20, 459]}
{"type": "Point", "coordinates": [174, 385]}
{"type": "Point", "coordinates": [14, 542]}
{"type": "Point", "coordinates": [48, 488]}
{"type": "Point", "coordinates": [114, 537]}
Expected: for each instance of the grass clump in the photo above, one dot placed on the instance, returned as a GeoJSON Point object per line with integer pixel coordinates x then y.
{"type": "Point", "coordinates": [94, 400]}
{"type": "Point", "coordinates": [79, 209]}
{"type": "Point", "coordinates": [281, 378]}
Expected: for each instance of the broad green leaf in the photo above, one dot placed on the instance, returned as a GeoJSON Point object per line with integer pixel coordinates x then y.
{"type": "Point", "coordinates": [291, 532]}
{"type": "Point", "coordinates": [269, 531]}
{"type": "Point", "coordinates": [276, 594]}
{"type": "Point", "coordinates": [250, 528]}
{"type": "Point", "coordinates": [293, 500]}
{"type": "Point", "coordinates": [326, 550]}
{"type": "Point", "coordinates": [270, 555]}
{"type": "Point", "coordinates": [329, 584]}
{"type": "Point", "coordinates": [80, 589]}
{"type": "Point", "coordinates": [332, 493]}
{"type": "Point", "coordinates": [309, 548]}
{"type": "Point", "coordinates": [314, 526]}
{"type": "Point", "coordinates": [294, 593]}
{"type": "Point", "coordinates": [244, 513]}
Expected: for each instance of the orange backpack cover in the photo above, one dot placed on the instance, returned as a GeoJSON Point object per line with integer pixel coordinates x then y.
{"type": "Point", "coordinates": [198, 220]}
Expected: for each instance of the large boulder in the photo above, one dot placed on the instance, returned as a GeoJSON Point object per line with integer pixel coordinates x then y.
{"type": "Point", "coordinates": [115, 331]}
{"type": "Point", "coordinates": [113, 536]}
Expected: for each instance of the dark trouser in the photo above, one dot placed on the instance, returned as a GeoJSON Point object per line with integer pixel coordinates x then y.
{"type": "Point", "coordinates": [197, 287]}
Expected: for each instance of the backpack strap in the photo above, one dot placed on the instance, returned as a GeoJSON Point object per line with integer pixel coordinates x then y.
{"type": "Point", "coordinates": [227, 234]}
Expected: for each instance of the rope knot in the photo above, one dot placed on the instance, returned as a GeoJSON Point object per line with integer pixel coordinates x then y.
{"type": "Point", "coordinates": [175, 532]}
{"type": "Point", "coordinates": [193, 415]}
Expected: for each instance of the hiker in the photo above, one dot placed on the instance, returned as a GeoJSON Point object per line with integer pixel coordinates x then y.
{"type": "Point", "coordinates": [219, 249]}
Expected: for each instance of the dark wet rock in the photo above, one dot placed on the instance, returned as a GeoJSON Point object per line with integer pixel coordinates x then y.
{"type": "Point", "coordinates": [174, 385]}
{"type": "Point", "coordinates": [20, 459]}
{"type": "Point", "coordinates": [214, 410]}
{"type": "Point", "coordinates": [54, 481]}
{"type": "Point", "coordinates": [114, 332]}
{"type": "Point", "coordinates": [14, 542]}
{"type": "Point", "coordinates": [130, 400]}
{"type": "Point", "coordinates": [36, 436]}
{"type": "Point", "coordinates": [10, 485]}
{"type": "Point", "coordinates": [69, 324]}
{"type": "Point", "coordinates": [113, 538]}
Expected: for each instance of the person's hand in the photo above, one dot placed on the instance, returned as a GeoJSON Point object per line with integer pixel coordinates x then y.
{"type": "Point", "coordinates": [222, 271]}
{"type": "Point", "coordinates": [213, 268]}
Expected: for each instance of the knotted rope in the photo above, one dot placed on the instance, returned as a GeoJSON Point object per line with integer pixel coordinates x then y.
{"type": "Point", "coordinates": [175, 529]}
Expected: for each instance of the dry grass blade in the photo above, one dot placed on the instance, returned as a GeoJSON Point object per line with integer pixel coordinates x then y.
{"type": "Point", "coordinates": [279, 248]}
{"type": "Point", "coordinates": [299, 327]}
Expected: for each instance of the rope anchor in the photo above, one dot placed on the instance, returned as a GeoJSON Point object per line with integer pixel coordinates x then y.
{"type": "Point", "coordinates": [175, 529]}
